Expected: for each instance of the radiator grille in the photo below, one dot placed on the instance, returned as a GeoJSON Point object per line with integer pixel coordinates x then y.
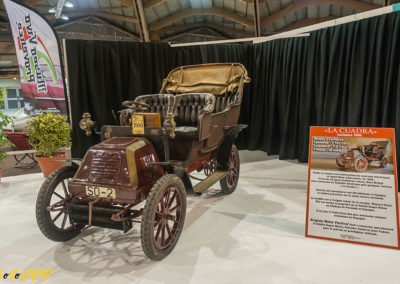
{"type": "Point", "coordinates": [105, 167]}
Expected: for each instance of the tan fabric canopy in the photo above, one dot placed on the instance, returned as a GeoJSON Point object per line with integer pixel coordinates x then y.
{"type": "Point", "coordinates": [217, 79]}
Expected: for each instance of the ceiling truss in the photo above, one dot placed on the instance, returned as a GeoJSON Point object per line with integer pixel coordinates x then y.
{"type": "Point", "coordinates": [158, 30]}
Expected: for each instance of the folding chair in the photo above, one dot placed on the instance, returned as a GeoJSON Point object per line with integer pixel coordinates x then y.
{"type": "Point", "coordinates": [20, 141]}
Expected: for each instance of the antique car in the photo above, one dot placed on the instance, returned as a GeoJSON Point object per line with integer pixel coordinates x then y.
{"type": "Point", "coordinates": [363, 156]}
{"type": "Point", "coordinates": [141, 171]}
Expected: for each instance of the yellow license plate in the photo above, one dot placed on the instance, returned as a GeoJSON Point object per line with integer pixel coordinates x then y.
{"type": "Point", "coordinates": [98, 191]}
{"type": "Point", "coordinates": [137, 124]}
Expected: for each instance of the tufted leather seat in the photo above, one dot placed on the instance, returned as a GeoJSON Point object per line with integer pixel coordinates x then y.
{"type": "Point", "coordinates": [221, 102]}
{"type": "Point", "coordinates": [187, 109]}
{"type": "Point", "coordinates": [160, 103]}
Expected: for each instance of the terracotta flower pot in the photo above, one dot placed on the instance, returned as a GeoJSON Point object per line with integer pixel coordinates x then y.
{"type": "Point", "coordinates": [48, 165]}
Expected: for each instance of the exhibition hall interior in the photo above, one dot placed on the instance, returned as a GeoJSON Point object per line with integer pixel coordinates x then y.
{"type": "Point", "coordinates": [199, 141]}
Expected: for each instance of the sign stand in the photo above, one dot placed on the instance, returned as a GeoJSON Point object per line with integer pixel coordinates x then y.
{"type": "Point", "coordinates": [352, 186]}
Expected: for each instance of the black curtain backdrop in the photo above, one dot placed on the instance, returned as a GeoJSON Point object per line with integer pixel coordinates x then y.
{"type": "Point", "coordinates": [345, 75]}
{"type": "Point", "coordinates": [104, 74]}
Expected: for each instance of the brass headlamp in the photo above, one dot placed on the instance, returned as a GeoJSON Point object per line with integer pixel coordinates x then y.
{"type": "Point", "coordinates": [86, 123]}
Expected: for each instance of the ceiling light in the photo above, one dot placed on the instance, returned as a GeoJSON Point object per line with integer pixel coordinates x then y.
{"type": "Point", "coordinates": [65, 18]}
{"type": "Point", "coordinates": [52, 10]}
{"type": "Point", "coordinates": [68, 4]}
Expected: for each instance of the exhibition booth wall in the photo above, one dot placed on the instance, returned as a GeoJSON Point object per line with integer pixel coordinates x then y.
{"type": "Point", "coordinates": [346, 75]}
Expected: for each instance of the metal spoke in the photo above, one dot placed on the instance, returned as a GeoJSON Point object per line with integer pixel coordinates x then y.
{"type": "Point", "coordinates": [158, 222]}
{"type": "Point", "coordinates": [65, 189]}
{"type": "Point", "coordinates": [174, 208]}
{"type": "Point", "coordinates": [59, 196]}
{"type": "Point", "coordinates": [172, 199]}
{"type": "Point", "coordinates": [59, 209]}
{"type": "Point", "coordinates": [168, 229]}
{"type": "Point", "coordinates": [64, 220]}
{"type": "Point", "coordinates": [162, 234]}
{"type": "Point", "coordinates": [158, 232]}
{"type": "Point", "coordinates": [167, 198]}
{"type": "Point", "coordinates": [58, 215]}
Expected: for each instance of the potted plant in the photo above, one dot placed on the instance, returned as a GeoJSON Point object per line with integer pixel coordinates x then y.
{"type": "Point", "coordinates": [48, 133]}
{"type": "Point", "coordinates": [4, 120]}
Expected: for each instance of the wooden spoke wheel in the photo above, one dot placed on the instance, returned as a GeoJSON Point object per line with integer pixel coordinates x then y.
{"type": "Point", "coordinates": [229, 183]}
{"type": "Point", "coordinates": [360, 164]}
{"type": "Point", "coordinates": [51, 207]}
{"type": "Point", "coordinates": [163, 217]}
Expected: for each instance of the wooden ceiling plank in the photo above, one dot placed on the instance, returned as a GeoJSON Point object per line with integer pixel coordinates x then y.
{"type": "Point", "coordinates": [306, 22]}
{"type": "Point", "coordinates": [152, 3]}
{"type": "Point", "coordinates": [300, 4]}
{"type": "Point", "coordinates": [127, 3]}
{"type": "Point", "coordinates": [217, 11]}
{"type": "Point", "coordinates": [98, 13]}
{"type": "Point", "coordinates": [115, 17]}
{"type": "Point", "coordinates": [187, 27]}
{"type": "Point", "coordinates": [257, 28]}
{"type": "Point", "coordinates": [33, 2]}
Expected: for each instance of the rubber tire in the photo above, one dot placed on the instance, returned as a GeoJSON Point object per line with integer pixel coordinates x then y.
{"type": "Point", "coordinates": [43, 216]}
{"type": "Point", "coordinates": [355, 163]}
{"type": "Point", "coordinates": [338, 161]}
{"type": "Point", "coordinates": [146, 229]}
{"type": "Point", "coordinates": [225, 188]}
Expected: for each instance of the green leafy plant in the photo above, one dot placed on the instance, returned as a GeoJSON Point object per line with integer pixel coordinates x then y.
{"type": "Point", "coordinates": [4, 120]}
{"type": "Point", "coordinates": [48, 132]}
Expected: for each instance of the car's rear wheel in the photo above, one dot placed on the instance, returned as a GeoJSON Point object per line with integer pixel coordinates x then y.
{"type": "Point", "coordinates": [163, 217]}
{"type": "Point", "coordinates": [51, 207]}
{"type": "Point", "coordinates": [360, 164]}
{"type": "Point", "coordinates": [229, 183]}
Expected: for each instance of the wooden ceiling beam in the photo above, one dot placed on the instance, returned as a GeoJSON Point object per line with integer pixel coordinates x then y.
{"type": "Point", "coordinates": [306, 22]}
{"type": "Point", "coordinates": [300, 4]}
{"type": "Point", "coordinates": [152, 3]}
{"type": "Point", "coordinates": [115, 17]}
{"type": "Point", "coordinates": [7, 47]}
{"type": "Point", "coordinates": [33, 2]}
{"type": "Point", "coordinates": [257, 27]}
{"type": "Point", "coordinates": [251, 1]}
{"type": "Point", "coordinates": [216, 11]}
{"type": "Point", "coordinates": [127, 3]}
{"type": "Point", "coordinates": [192, 26]}
{"type": "Point", "coordinates": [97, 13]}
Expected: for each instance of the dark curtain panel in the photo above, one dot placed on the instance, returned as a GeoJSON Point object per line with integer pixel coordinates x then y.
{"type": "Point", "coordinates": [346, 75]}
{"type": "Point", "coordinates": [104, 74]}
{"type": "Point", "coordinates": [340, 76]}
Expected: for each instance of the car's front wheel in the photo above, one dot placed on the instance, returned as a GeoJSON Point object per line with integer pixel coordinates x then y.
{"type": "Point", "coordinates": [163, 217]}
{"type": "Point", "coordinates": [51, 207]}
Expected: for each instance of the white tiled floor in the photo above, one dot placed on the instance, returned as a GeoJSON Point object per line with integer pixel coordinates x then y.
{"type": "Point", "coordinates": [255, 235]}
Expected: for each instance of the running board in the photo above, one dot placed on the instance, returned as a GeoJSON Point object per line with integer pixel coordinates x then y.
{"type": "Point", "coordinates": [208, 182]}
